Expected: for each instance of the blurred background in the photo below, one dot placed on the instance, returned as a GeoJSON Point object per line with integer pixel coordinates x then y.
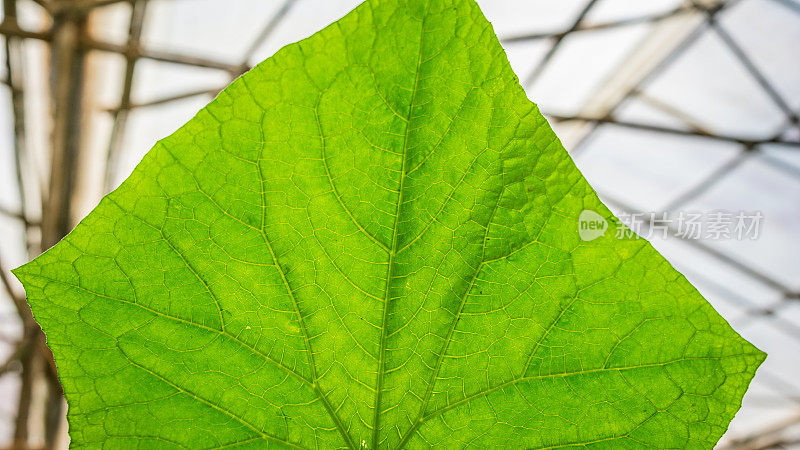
{"type": "Point", "coordinates": [668, 107]}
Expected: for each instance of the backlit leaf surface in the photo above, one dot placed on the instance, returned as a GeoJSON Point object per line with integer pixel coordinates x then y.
{"type": "Point", "coordinates": [371, 240]}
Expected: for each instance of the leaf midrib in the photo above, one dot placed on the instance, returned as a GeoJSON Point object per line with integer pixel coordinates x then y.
{"type": "Point", "coordinates": [393, 249]}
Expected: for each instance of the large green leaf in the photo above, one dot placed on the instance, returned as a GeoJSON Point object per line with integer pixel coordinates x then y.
{"type": "Point", "coordinates": [371, 240]}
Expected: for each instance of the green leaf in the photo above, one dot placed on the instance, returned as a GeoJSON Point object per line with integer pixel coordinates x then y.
{"type": "Point", "coordinates": [371, 240]}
